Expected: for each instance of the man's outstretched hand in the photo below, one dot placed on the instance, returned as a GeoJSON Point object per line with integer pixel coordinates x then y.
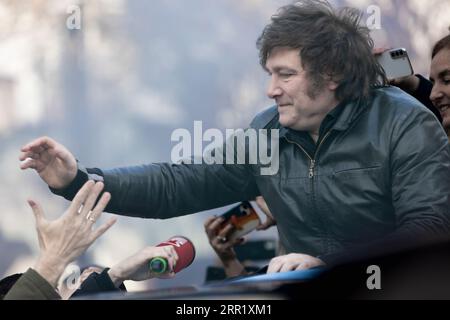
{"type": "Point", "coordinates": [51, 160]}
{"type": "Point", "coordinates": [294, 261]}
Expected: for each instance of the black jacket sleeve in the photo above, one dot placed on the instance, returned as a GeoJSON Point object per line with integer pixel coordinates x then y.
{"type": "Point", "coordinates": [97, 283]}
{"type": "Point", "coordinates": [169, 190]}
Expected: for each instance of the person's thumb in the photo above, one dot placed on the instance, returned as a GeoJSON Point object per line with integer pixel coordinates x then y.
{"type": "Point", "coordinates": [37, 211]}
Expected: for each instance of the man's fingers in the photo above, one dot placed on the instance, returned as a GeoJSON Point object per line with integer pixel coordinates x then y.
{"type": "Point", "coordinates": [102, 229]}
{"type": "Point", "coordinates": [288, 267]}
{"type": "Point", "coordinates": [40, 144]}
{"type": "Point", "coordinates": [30, 154]}
{"type": "Point", "coordinates": [301, 267]}
{"type": "Point", "coordinates": [37, 211]}
{"type": "Point", "coordinates": [29, 164]}
{"type": "Point", "coordinates": [33, 149]}
{"type": "Point", "coordinates": [274, 266]}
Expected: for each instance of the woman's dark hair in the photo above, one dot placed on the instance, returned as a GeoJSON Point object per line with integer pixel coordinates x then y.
{"type": "Point", "coordinates": [444, 43]}
{"type": "Point", "coordinates": [333, 46]}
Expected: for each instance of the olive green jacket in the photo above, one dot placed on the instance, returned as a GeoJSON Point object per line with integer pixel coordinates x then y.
{"type": "Point", "coordinates": [31, 286]}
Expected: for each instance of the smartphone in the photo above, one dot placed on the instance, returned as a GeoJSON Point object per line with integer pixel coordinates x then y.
{"type": "Point", "coordinates": [396, 63]}
{"type": "Point", "coordinates": [244, 219]}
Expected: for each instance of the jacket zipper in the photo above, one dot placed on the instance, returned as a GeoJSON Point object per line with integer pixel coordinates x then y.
{"type": "Point", "coordinates": [312, 163]}
{"type": "Point", "coordinates": [312, 166]}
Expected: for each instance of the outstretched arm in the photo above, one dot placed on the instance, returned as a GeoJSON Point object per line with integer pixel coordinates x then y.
{"type": "Point", "coordinates": [150, 191]}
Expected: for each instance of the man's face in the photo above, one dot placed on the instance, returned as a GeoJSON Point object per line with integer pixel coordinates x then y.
{"type": "Point", "coordinates": [302, 105]}
{"type": "Point", "coordinates": [440, 76]}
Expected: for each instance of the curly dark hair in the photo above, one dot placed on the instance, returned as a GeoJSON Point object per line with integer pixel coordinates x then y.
{"type": "Point", "coordinates": [333, 46]}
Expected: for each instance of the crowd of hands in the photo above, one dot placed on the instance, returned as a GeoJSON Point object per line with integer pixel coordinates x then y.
{"type": "Point", "coordinates": [65, 239]}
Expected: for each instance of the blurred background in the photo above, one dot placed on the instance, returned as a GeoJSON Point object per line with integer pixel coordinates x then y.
{"type": "Point", "coordinates": [115, 89]}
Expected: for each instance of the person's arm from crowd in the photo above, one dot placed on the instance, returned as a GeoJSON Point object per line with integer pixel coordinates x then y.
{"type": "Point", "coordinates": [220, 240]}
{"type": "Point", "coordinates": [62, 241]}
{"type": "Point", "coordinates": [152, 191]}
{"type": "Point", "coordinates": [69, 285]}
{"type": "Point", "coordinates": [135, 267]}
{"type": "Point", "coordinates": [415, 85]}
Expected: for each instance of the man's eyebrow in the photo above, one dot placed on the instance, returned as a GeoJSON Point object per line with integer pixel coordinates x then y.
{"type": "Point", "coordinates": [281, 68]}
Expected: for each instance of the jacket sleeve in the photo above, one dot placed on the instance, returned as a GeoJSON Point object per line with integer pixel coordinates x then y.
{"type": "Point", "coordinates": [420, 188]}
{"type": "Point", "coordinates": [169, 190]}
{"type": "Point", "coordinates": [97, 283]}
{"type": "Point", "coordinates": [31, 286]}
{"type": "Point", "coordinates": [420, 173]}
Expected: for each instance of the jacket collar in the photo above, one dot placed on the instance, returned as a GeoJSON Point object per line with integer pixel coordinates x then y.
{"type": "Point", "coordinates": [350, 112]}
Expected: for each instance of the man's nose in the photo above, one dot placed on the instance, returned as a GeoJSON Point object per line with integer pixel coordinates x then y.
{"type": "Point", "coordinates": [273, 89]}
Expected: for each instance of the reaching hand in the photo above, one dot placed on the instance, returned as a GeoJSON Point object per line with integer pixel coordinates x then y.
{"type": "Point", "coordinates": [410, 84]}
{"type": "Point", "coordinates": [379, 51]}
{"type": "Point", "coordinates": [270, 221]}
{"type": "Point", "coordinates": [293, 261]}
{"type": "Point", "coordinates": [63, 240]}
{"type": "Point", "coordinates": [51, 160]}
{"type": "Point", "coordinates": [219, 238]}
{"type": "Point", "coordinates": [221, 242]}
{"type": "Point", "coordinates": [137, 266]}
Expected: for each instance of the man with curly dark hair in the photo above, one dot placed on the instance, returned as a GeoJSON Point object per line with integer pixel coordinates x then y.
{"type": "Point", "coordinates": [358, 161]}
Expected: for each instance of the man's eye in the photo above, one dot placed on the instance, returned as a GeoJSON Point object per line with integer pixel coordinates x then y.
{"type": "Point", "coordinates": [286, 75]}
{"type": "Point", "coordinates": [446, 81]}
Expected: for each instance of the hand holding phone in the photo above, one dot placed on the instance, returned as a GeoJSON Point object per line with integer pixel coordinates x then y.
{"type": "Point", "coordinates": [243, 218]}
{"type": "Point", "coordinates": [396, 63]}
